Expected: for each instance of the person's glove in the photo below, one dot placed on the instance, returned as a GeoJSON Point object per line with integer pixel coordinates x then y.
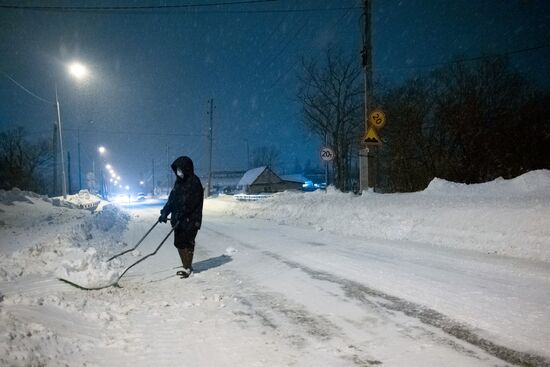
{"type": "Point", "coordinates": [163, 218]}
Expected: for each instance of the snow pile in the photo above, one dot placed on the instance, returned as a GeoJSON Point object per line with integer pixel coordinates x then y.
{"type": "Point", "coordinates": [110, 218]}
{"type": "Point", "coordinates": [89, 271]}
{"type": "Point", "coordinates": [532, 184]}
{"type": "Point", "coordinates": [505, 217]}
{"type": "Point", "coordinates": [83, 199]}
{"type": "Point", "coordinates": [11, 196]}
{"type": "Point", "coordinates": [64, 234]}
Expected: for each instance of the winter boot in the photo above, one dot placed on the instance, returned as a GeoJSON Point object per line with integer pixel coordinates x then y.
{"type": "Point", "coordinates": [186, 256]}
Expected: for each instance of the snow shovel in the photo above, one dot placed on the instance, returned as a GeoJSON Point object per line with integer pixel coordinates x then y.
{"type": "Point", "coordinates": [136, 246]}
{"type": "Point", "coordinates": [115, 283]}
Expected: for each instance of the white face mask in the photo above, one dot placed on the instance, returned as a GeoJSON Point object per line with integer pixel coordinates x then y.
{"type": "Point", "coordinates": [179, 173]}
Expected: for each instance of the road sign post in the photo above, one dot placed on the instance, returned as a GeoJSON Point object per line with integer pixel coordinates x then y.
{"type": "Point", "coordinates": [376, 121]}
{"type": "Point", "coordinates": [327, 155]}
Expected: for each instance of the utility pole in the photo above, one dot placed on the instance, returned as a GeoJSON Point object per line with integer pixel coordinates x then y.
{"type": "Point", "coordinates": [168, 172]}
{"type": "Point", "coordinates": [54, 176]}
{"type": "Point", "coordinates": [367, 67]}
{"type": "Point", "coordinates": [69, 171]}
{"type": "Point", "coordinates": [79, 166]}
{"type": "Point", "coordinates": [211, 113]}
{"type": "Point", "coordinates": [247, 155]}
{"type": "Point", "coordinates": [153, 177]}
{"type": "Point", "coordinates": [63, 178]}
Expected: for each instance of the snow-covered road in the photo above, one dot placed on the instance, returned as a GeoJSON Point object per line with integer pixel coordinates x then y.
{"type": "Point", "coordinates": [271, 294]}
{"type": "Point", "coordinates": [296, 296]}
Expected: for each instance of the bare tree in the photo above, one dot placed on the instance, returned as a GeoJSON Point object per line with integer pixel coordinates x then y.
{"type": "Point", "coordinates": [20, 160]}
{"type": "Point", "coordinates": [332, 98]}
{"type": "Point", "coordinates": [466, 122]}
{"type": "Point", "coordinates": [477, 107]}
{"type": "Point", "coordinates": [266, 156]}
{"type": "Point", "coordinates": [404, 157]}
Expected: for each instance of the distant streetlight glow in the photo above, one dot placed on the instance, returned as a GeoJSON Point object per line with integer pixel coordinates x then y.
{"type": "Point", "coordinates": [101, 150]}
{"type": "Point", "coordinates": [127, 187]}
{"type": "Point", "coordinates": [78, 70]}
{"type": "Point", "coordinates": [108, 166]}
{"type": "Point", "coordinates": [118, 178]}
{"type": "Point", "coordinates": [141, 182]}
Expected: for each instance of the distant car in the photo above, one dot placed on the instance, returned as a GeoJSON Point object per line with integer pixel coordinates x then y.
{"type": "Point", "coordinates": [140, 196]}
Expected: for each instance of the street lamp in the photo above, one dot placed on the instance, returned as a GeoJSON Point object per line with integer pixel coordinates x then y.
{"type": "Point", "coordinates": [80, 72]}
{"type": "Point", "coordinates": [102, 150]}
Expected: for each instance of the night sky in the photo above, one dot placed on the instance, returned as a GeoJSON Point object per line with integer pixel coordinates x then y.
{"type": "Point", "coordinates": [153, 71]}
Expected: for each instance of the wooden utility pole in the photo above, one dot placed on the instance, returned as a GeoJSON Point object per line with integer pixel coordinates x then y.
{"type": "Point", "coordinates": [69, 172]}
{"type": "Point", "coordinates": [211, 113]}
{"type": "Point", "coordinates": [153, 163]}
{"type": "Point", "coordinates": [79, 166]}
{"type": "Point", "coordinates": [367, 67]}
{"type": "Point", "coordinates": [54, 173]}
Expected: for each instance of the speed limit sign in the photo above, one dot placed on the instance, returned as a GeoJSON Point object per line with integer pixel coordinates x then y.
{"type": "Point", "coordinates": [377, 119]}
{"type": "Point", "coordinates": [327, 154]}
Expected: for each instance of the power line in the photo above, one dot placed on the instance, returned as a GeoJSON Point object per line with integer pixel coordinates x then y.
{"type": "Point", "coordinates": [470, 59]}
{"type": "Point", "coordinates": [182, 8]}
{"type": "Point", "coordinates": [118, 8]}
{"type": "Point", "coordinates": [128, 132]}
{"type": "Point", "coordinates": [283, 75]}
{"type": "Point", "coordinates": [25, 89]}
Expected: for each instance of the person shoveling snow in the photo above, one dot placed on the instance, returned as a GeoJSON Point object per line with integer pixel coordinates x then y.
{"type": "Point", "coordinates": [185, 204]}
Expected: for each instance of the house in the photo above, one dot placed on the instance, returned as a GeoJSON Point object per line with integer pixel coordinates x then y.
{"type": "Point", "coordinates": [260, 180]}
{"type": "Point", "coordinates": [295, 182]}
{"type": "Point", "coordinates": [264, 180]}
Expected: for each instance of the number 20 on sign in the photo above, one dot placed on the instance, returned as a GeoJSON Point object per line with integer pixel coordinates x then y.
{"type": "Point", "coordinates": [377, 119]}
{"type": "Point", "coordinates": [327, 154]}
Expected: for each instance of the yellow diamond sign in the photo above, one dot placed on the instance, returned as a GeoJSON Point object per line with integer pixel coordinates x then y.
{"type": "Point", "coordinates": [371, 137]}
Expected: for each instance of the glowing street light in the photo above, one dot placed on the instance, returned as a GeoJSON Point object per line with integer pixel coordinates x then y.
{"type": "Point", "coordinates": [78, 70]}
{"type": "Point", "coordinates": [108, 167]}
{"type": "Point", "coordinates": [101, 150]}
{"type": "Point", "coordinates": [141, 183]}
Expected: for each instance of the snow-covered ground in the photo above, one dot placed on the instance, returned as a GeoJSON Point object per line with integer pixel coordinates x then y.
{"type": "Point", "coordinates": [455, 275]}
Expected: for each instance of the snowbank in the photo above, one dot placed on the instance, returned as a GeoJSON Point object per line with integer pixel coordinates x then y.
{"type": "Point", "coordinates": [11, 196]}
{"type": "Point", "coordinates": [36, 237]}
{"type": "Point", "coordinates": [505, 217]}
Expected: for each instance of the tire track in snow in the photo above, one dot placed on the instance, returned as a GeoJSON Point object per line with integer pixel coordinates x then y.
{"type": "Point", "coordinates": [370, 296]}
{"type": "Point", "coordinates": [426, 315]}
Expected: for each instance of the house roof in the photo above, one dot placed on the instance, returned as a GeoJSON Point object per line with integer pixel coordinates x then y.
{"type": "Point", "coordinates": [260, 176]}
{"type": "Point", "coordinates": [295, 178]}
{"type": "Point", "coordinates": [251, 175]}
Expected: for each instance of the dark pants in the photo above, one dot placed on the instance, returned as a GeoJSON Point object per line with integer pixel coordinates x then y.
{"type": "Point", "coordinates": [185, 239]}
{"type": "Point", "coordinates": [185, 243]}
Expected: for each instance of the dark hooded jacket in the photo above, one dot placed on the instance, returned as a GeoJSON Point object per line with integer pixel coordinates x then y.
{"type": "Point", "coordinates": [186, 197]}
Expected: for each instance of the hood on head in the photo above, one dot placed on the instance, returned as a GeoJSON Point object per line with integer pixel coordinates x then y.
{"type": "Point", "coordinates": [185, 164]}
